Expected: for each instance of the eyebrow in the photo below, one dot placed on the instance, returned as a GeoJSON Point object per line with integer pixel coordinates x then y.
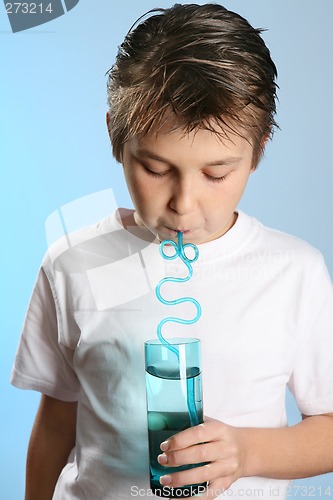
{"type": "Point", "coordinates": [229, 160]}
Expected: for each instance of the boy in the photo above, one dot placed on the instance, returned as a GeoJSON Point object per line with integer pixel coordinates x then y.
{"type": "Point", "coordinates": [192, 104]}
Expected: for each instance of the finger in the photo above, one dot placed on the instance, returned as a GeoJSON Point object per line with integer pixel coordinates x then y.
{"type": "Point", "coordinates": [197, 475]}
{"type": "Point", "coordinates": [205, 452]}
{"type": "Point", "coordinates": [208, 431]}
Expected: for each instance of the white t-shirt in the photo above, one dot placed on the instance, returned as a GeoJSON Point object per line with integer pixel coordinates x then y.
{"type": "Point", "coordinates": [267, 322]}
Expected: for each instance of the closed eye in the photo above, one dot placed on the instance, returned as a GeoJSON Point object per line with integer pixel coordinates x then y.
{"type": "Point", "coordinates": [217, 179]}
{"type": "Point", "coordinates": [154, 174]}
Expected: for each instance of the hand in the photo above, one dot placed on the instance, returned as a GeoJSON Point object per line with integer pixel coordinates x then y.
{"type": "Point", "coordinates": [214, 442]}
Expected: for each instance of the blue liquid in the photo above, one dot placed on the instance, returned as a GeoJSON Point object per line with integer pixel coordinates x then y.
{"type": "Point", "coordinates": [164, 424]}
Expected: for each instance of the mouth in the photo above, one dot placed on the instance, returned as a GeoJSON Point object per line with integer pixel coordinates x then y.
{"type": "Point", "coordinates": [179, 230]}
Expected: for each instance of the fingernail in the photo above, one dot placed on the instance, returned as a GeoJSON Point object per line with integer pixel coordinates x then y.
{"type": "Point", "coordinates": [164, 446]}
{"type": "Point", "coordinates": [164, 480]}
{"type": "Point", "coordinates": [162, 459]}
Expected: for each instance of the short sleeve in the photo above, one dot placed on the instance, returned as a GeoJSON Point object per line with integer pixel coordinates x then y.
{"type": "Point", "coordinates": [42, 363]}
{"type": "Point", "coordinates": [311, 382]}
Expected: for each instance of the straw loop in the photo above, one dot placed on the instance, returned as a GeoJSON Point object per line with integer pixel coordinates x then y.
{"type": "Point", "coordinates": [179, 248]}
{"type": "Point", "coordinates": [180, 252]}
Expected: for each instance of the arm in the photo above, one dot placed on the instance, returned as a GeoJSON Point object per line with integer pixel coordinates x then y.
{"type": "Point", "coordinates": [303, 450]}
{"type": "Point", "coordinates": [52, 439]}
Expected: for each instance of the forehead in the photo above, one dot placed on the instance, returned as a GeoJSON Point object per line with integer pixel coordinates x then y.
{"type": "Point", "coordinates": [201, 144]}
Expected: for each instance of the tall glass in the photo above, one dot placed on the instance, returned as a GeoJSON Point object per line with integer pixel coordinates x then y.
{"type": "Point", "coordinates": [174, 403]}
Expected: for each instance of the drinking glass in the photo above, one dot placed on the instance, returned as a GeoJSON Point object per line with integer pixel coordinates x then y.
{"type": "Point", "coordinates": [174, 403]}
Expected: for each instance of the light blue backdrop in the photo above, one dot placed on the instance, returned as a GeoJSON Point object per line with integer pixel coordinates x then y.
{"type": "Point", "coordinates": [55, 149]}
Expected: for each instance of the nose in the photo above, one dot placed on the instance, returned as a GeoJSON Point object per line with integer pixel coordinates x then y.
{"type": "Point", "coordinates": [183, 197]}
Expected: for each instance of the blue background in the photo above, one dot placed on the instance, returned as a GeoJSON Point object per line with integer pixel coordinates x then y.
{"type": "Point", "coordinates": [55, 149]}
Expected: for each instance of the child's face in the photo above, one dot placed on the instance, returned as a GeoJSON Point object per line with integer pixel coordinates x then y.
{"type": "Point", "coordinates": [190, 183]}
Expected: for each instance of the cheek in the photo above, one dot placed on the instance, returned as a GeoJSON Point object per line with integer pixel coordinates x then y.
{"type": "Point", "coordinates": [134, 184]}
{"type": "Point", "coordinates": [228, 196]}
{"type": "Point", "coordinates": [144, 197]}
{"type": "Point", "coordinates": [239, 184]}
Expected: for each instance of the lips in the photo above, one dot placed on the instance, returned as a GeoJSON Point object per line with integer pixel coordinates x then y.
{"type": "Point", "coordinates": [179, 229]}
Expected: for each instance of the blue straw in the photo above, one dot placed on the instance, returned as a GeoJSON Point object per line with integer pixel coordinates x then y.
{"type": "Point", "coordinates": [179, 252]}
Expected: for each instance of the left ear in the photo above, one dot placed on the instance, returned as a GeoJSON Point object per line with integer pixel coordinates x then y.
{"type": "Point", "coordinates": [261, 152]}
{"type": "Point", "coordinates": [108, 124]}
{"type": "Point", "coordinates": [264, 142]}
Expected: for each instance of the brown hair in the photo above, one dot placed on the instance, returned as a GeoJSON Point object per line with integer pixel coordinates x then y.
{"type": "Point", "coordinates": [204, 63]}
